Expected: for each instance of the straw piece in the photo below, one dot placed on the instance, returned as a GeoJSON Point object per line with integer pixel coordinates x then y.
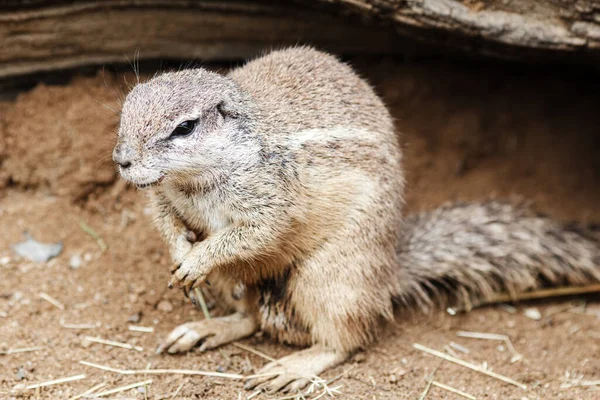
{"type": "Point", "coordinates": [89, 391]}
{"type": "Point", "coordinates": [77, 326]}
{"type": "Point", "coordinates": [253, 395]}
{"type": "Point", "coordinates": [123, 388]}
{"type": "Point", "coordinates": [21, 350]}
{"type": "Point", "coordinates": [56, 381]}
{"type": "Point", "coordinates": [453, 390]}
{"type": "Point", "coordinates": [103, 367]}
{"type": "Point", "coordinates": [460, 348]}
{"type": "Point", "coordinates": [178, 390]}
{"type": "Point", "coordinates": [52, 301]}
{"type": "Point", "coordinates": [508, 308]}
{"type": "Point", "coordinates": [88, 229]}
{"type": "Point", "coordinates": [203, 305]}
{"type": "Point", "coordinates": [468, 365]}
{"type": "Point", "coordinates": [449, 350]}
{"type": "Point", "coordinates": [579, 383]}
{"type": "Point", "coordinates": [113, 343]}
{"type": "Point", "coordinates": [589, 383]}
{"type": "Point", "coordinates": [516, 356]}
{"type": "Point", "coordinates": [146, 329]}
{"type": "Point", "coordinates": [481, 335]}
{"type": "Point", "coordinates": [162, 371]}
{"type": "Point", "coordinates": [428, 386]}
{"type": "Point", "coordinates": [536, 294]}
{"type": "Point", "coordinates": [251, 350]}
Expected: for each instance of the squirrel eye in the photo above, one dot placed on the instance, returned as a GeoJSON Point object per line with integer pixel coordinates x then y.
{"type": "Point", "coordinates": [184, 128]}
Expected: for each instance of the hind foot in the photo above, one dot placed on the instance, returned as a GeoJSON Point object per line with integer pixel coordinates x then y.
{"type": "Point", "coordinates": [210, 332]}
{"type": "Point", "coordinates": [294, 372]}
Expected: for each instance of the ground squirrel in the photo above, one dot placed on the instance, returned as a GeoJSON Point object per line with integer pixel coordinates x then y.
{"type": "Point", "coordinates": [288, 171]}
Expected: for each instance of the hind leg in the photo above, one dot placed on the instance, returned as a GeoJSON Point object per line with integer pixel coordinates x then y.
{"type": "Point", "coordinates": [294, 372]}
{"type": "Point", "coordinates": [340, 311]}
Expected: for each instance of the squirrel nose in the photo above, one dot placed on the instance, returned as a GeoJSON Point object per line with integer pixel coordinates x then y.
{"type": "Point", "coordinates": [122, 156]}
{"type": "Point", "coordinates": [125, 164]}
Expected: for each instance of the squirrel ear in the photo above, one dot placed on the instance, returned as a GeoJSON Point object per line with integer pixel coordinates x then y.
{"type": "Point", "coordinates": [224, 110]}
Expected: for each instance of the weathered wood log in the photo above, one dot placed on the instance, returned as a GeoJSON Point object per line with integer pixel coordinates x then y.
{"type": "Point", "coordinates": [40, 35]}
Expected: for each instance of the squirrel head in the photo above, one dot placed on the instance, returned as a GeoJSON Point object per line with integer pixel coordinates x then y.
{"type": "Point", "coordinates": [186, 127]}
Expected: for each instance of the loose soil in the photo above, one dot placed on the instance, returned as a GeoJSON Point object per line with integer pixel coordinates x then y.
{"type": "Point", "coordinates": [470, 132]}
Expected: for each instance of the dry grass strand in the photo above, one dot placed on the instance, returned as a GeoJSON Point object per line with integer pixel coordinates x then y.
{"type": "Point", "coordinates": [52, 300]}
{"type": "Point", "coordinates": [123, 388]}
{"type": "Point", "coordinates": [55, 381]}
{"type": "Point", "coordinates": [21, 350]}
{"type": "Point", "coordinates": [453, 390]}
{"type": "Point", "coordinates": [251, 350]}
{"type": "Point", "coordinates": [89, 391]}
{"type": "Point", "coordinates": [113, 343]}
{"type": "Point", "coordinates": [162, 371]}
{"type": "Point", "coordinates": [468, 365]}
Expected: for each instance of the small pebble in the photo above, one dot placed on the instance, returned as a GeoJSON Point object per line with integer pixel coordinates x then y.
{"type": "Point", "coordinates": [21, 374]}
{"type": "Point", "coordinates": [75, 261]}
{"type": "Point", "coordinates": [533, 313]}
{"type": "Point", "coordinates": [4, 260]}
{"type": "Point", "coordinates": [508, 308]}
{"type": "Point", "coordinates": [165, 305]}
{"type": "Point", "coordinates": [360, 357]}
{"type": "Point", "coordinates": [29, 366]}
{"type": "Point", "coordinates": [36, 251]}
{"type": "Point", "coordinates": [221, 369]}
{"type": "Point", "coordinates": [137, 289]}
{"type": "Point", "coordinates": [135, 318]}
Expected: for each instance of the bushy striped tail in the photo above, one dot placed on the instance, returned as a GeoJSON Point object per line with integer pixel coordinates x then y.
{"type": "Point", "coordinates": [468, 253]}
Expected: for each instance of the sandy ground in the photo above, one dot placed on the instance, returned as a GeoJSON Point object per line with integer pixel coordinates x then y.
{"type": "Point", "coordinates": [470, 132]}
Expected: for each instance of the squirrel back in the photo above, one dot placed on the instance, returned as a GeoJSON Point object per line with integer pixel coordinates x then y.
{"type": "Point", "coordinates": [300, 88]}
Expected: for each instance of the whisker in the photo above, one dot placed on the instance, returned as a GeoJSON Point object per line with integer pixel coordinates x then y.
{"type": "Point", "coordinates": [107, 107]}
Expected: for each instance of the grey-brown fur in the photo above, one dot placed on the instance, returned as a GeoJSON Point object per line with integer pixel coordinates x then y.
{"type": "Point", "coordinates": [293, 181]}
{"type": "Point", "coordinates": [469, 252]}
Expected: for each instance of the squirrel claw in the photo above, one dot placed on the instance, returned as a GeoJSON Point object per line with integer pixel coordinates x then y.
{"type": "Point", "coordinates": [173, 282]}
{"type": "Point", "coordinates": [189, 286]}
{"type": "Point", "coordinates": [175, 267]}
{"type": "Point", "coordinates": [194, 300]}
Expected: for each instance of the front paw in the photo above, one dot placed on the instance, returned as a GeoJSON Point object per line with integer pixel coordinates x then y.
{"type": "Point", "coordinates": [180, 249]}
{"type": "Point", "coordinates": [190, 273]}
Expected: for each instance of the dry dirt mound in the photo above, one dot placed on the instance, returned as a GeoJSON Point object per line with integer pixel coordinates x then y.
{"type": "Point", "coordinates": [59, 140]}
